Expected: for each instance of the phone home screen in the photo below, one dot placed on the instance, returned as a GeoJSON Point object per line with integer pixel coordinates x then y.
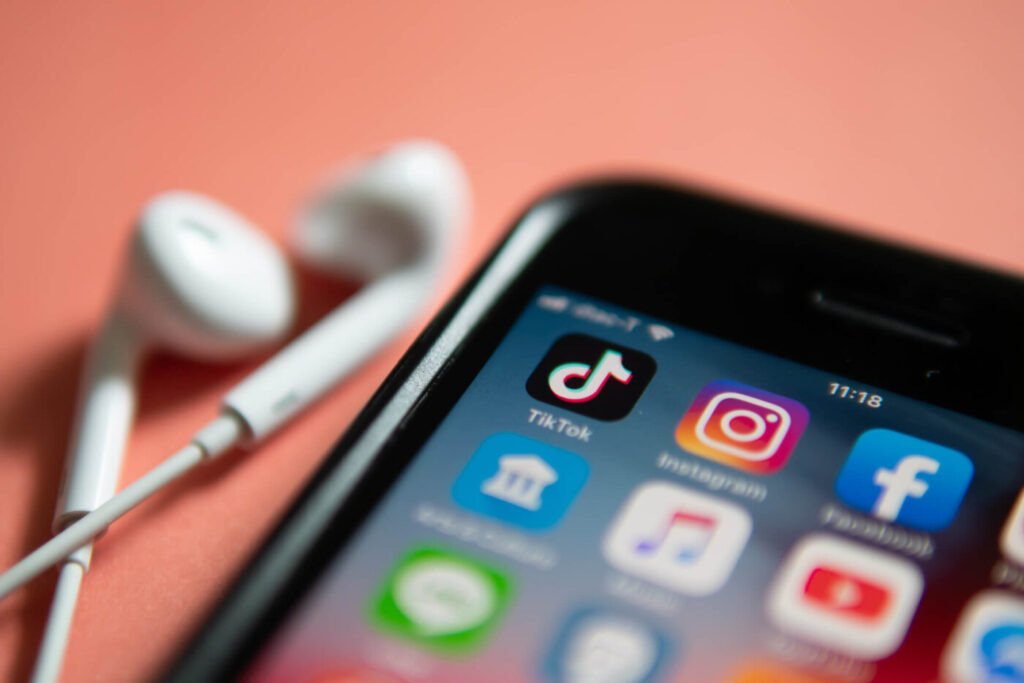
{"type": "Point", "coordinates": [617, 498]}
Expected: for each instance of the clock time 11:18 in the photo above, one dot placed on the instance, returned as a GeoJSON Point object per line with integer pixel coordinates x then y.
{"type": "Point", "coordinates": [862, 397]}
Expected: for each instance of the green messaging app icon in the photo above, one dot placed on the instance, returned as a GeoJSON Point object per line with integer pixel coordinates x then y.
{"type": "Point", "coordinates": [441, 600]}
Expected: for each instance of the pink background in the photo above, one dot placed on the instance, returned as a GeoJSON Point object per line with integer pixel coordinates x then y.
{"type": "Point", "coordinates": [902, 118]}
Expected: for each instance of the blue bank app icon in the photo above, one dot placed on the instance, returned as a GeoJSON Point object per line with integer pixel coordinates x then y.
{"type": "Point", "coordinates": [903, 479]}
{"type": "Point", "coordinates": [520, 481]}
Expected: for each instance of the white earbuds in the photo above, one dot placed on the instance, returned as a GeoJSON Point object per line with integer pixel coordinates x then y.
{"type": "Point", "coordinates": [202, 281]}
{"type": "Point", "coordinates": [199, 280]}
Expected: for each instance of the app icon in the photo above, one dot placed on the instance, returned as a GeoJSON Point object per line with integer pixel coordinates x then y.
{"type": "Point", "coordinates": [904, 479]}
{"type": "Point", "coordinates": [988, 641]}
{"type": "Point", "coordinates": [742, 427]}
{"type": "Point", "coordinates": [520, 481]}
{"type": "Point", "coordinates": [442, 600]}
{"type": "Point", "coordinates": [678, 538]}
{"type": "Point", "coordinates": [845, 596]}
{"type": "Point", "coordinates": [1011, 541]}
{"type": "Point", "coordinates": [601, 645]}
{"type": "Point", "coordinates": [591, 377]}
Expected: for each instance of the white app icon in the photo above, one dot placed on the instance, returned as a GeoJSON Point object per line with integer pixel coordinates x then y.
{"type": "Point", "coordinates": [677, 538]}
{"type": "Point", "coordinates": [1011, 541]}
{"type": "Point", "coordinates": [988, 642]}
{"type": "Point", "coordinates": [766, 417]}
{"type": "Point", "coordinates": [608, 649]}
{"type": "Point", "coordinates": [845, 596]}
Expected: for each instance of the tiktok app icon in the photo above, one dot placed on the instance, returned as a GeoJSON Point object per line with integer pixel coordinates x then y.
{"type": "Point", "coordinates": [591, 377]}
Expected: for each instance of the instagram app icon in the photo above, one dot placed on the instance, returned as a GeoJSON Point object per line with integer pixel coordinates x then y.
{"type": "Point", "coordinates": [742, 427]}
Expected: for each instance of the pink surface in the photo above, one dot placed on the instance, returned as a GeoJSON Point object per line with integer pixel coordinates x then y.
{"type": "Point", "coordinates": [901, 117]}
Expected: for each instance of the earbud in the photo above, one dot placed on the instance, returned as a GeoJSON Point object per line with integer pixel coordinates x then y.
{"type": "Point", "coordinates": [199, 280]}
{"type": "Point", "coordinates": [403, 207]}
{"type": "Point", "coordinates": [392, 221]}
{"type": "Point", "coordinates": [204, 281]}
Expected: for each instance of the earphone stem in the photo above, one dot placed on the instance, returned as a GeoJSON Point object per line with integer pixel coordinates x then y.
{"type": "Point", "coordinates": [321, 356]}
{"type": "Point", "coordinates": [62, 610]}
{"type": "Point", "coordinates": [106, 408]}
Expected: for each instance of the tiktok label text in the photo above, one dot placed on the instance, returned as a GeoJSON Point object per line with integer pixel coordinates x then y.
{"type": "Point", "coordinates": [559, 425]}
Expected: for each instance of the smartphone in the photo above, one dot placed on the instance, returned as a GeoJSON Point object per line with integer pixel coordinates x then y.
{"type": "Point", "coordinates": [661, 435]}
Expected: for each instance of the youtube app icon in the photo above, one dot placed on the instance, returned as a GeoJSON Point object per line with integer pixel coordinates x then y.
{"type": "Point", "coordinates": [838, 590]}
{"type": "Point", "coordinates": [845, 596]}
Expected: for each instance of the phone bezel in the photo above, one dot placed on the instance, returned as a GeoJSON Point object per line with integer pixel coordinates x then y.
{"type": "Point", "coordinates": [668, 252]}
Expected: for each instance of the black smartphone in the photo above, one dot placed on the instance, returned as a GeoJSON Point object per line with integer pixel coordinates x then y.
{"type": "Point", "coordinates": [665, 436]}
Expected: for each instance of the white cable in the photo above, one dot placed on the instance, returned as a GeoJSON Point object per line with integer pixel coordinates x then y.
{"type": "Point", "coordinates": [92, 524]}
{"type": "Point", "coordinates": [62, 611]}
{"type": "Point", "coordinates": [209, 442]}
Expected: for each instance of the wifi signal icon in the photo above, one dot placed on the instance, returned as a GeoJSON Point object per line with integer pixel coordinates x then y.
{"type": "Point", "coordinates": [659, 332]}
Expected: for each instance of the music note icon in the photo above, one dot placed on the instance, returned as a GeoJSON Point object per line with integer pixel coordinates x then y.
{"type": "Point", "coordinates": [677, 537]}
{"type": "Point", "coordinates": [685, 537]}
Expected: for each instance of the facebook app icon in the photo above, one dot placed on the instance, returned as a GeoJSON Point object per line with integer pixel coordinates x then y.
{"type": "Point", "coordinates": [903, 479]}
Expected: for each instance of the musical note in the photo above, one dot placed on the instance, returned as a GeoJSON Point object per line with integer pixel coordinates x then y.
{"type": "Point", "coordinates": [685, 534]}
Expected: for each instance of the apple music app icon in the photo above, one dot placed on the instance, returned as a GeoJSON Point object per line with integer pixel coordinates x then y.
{"type": "Point", "coordinates": [678, 538]}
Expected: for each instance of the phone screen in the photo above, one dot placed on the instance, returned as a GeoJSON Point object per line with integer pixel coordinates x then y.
{"type": "Point", "coordinates": [619, 498]}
